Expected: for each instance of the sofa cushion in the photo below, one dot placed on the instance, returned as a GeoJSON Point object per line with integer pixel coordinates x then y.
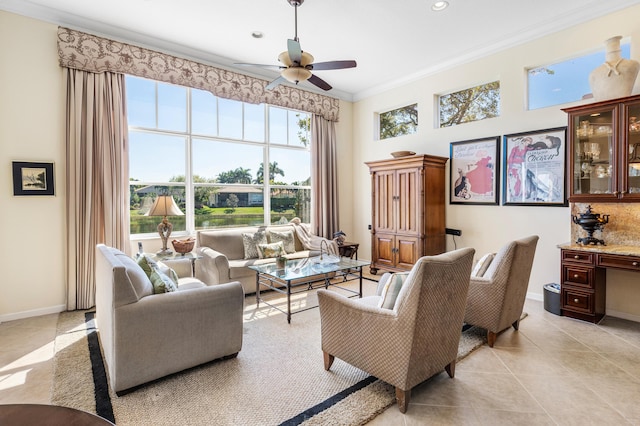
{"type": "Point", "coordinates": [251, 241]}
{"type": "Point", "coordinates": [138, 278]}
{"type": "Point", "coordinates": [286, 237]}
{"type": "Point", "coordinates": [482, 265]}
{"type": "Point", "coordinates": [148, 265]}
{"type": "Point", "coordinates": [391, 290]}
{"type": "Point", "coordinates": [161, 282]}
{"type": "Point", "coordinates": [271, 250]}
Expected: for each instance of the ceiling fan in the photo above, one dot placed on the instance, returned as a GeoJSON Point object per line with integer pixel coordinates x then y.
{"type": "Point", "coordinates": [297, 65]}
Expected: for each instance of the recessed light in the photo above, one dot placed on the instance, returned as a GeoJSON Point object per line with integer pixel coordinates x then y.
{"type": "Point", "coordinates": [439, 5]}
{"type": "Point", "coordinates": [257, 34]}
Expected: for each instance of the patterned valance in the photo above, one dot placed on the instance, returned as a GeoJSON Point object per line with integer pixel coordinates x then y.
{"type": "Point", "coordinates": [91, 53]}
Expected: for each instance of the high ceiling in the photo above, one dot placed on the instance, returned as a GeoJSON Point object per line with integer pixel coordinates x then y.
{"type": "Point", "coordinates": [392, 41]}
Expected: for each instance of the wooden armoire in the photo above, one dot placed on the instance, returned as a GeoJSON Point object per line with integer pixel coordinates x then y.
{"type": "Point", "coordinates": [408, 210]}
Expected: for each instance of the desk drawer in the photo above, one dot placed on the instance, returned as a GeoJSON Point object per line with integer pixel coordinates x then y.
{"type": "Point", "coordinates": [578, 276]}
{"type": "Point", "coordinates": [617, 261]}
{"type": "Point", "coordinates": [577, 301]}
{"type": "Point", "coordinates": [575, 256]}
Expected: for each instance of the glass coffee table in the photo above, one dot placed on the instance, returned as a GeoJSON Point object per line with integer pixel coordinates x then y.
{"type": "Point", "coordinates": [300, 275]}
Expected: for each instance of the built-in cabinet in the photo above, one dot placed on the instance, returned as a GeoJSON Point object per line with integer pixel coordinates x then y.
{"type": "Point", "coordinates": [604, 151]}
{"type": "Point", "coordinates": [408, 210]}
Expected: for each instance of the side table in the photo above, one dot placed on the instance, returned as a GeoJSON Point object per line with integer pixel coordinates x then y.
{"type": "Point", "coordinates": [179, 256]}
{"type": "Point", "coordinates": [349, 250]}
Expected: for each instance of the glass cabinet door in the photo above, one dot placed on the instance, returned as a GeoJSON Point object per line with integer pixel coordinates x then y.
{"type": "Point", "coordinates": [593, 158]}
{"type": "Point", "coordinates": [631, 182]}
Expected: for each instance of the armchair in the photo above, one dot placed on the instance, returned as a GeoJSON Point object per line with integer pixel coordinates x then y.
{"type": "Point", "coordinates": [414, 340]}
{"type": "Point", "coordinates": [496, 299]}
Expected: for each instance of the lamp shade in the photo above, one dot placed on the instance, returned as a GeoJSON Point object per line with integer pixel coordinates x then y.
{"type": "Point", "coordinates": [164, 205]}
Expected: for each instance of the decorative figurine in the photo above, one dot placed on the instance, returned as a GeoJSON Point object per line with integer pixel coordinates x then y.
{"type": "Point", "coordinates": [339, 237]}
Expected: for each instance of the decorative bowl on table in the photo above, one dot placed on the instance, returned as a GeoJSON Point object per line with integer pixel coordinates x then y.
{"type": "Point", "coordinates": [398, 154]}
{"type": "Point", "coordinates": [183, 246]}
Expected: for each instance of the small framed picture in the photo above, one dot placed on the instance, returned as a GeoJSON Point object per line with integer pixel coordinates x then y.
{"type": "Point", "coordinates": [474, 171]}
{"type": "Point", "coordinates": [534, 171]}
{"type": "Point", "coordinates": [32, 178]}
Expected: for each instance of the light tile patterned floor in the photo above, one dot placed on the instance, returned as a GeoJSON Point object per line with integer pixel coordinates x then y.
{"type": "Point", "coordinates": [554, 371]}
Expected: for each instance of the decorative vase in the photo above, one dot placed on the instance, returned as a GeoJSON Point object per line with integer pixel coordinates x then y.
{"type": "Point", "coordinates": [614, 78]}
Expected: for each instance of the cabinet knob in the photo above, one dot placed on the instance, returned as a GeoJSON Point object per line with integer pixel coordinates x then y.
{"type": "Point", "coordinates": [576, 257]}
{"type": "Point", "coordinates": [635, 263]}
{"type": "Point", "coordinates": [575, 276]}
{"type": "Point", "coordinates": [576, 300]}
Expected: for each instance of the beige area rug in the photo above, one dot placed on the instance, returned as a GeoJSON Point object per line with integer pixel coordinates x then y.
{"type": "Point", "coordinates": [278, 378]}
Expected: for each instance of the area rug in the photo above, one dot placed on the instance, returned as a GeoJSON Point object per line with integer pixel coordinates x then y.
{"type": "Point", "coordinates": [277, 379]}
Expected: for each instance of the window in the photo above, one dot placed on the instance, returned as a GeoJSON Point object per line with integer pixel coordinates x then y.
{"type": "Point", "coordinates": [210, 153]}
{"type": "Point", "coordinates": [566, 81]}
{"type": "Point", "coordinates": [398, 122]}
{"type": "Point", "coordinates": [472, 104]}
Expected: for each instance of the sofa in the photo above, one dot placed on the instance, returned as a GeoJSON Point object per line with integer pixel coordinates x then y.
{"type": "Point", "coordinates": [146, 335]}
{"type": "Point", "coordinates": [223, 252]}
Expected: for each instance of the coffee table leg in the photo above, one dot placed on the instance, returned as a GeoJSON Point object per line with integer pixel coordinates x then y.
{"type": "Point", "coordinates": [289, 302]}
{"type": "Point", "coordinates": [361, 282]}
{"type": "Point", "coordinates": [257, 289]}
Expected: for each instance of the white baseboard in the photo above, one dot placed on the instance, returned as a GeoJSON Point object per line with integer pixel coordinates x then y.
{"type": "Point", "coordinates": [535, 296]}
{"type": "Point", "coordinates": [33, 313]}
{"type": "Point", "coordinates": [622, 315]}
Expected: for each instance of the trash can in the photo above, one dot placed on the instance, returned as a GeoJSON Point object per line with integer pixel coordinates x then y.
{"type": "Point", "coordinates": [552, 298]}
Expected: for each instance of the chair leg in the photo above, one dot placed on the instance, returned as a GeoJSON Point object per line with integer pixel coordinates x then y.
{"type": "Point", "coordinates": [328, 360]}
{"type": "Point", "coordinates": [491, 338]}
{"type": "Point", "coordinates": [451, 368]}
{"type": "Point", "coordinates": [516, 324]}
{"type": "Point", "coordinates": [403, 397]}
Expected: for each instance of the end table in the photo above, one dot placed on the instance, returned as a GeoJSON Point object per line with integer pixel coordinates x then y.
{"type": "Point", "coordinates": [349, 250]}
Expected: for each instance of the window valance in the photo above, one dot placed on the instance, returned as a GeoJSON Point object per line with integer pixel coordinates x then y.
{"type": "Point", "coordinates": [91, 53]}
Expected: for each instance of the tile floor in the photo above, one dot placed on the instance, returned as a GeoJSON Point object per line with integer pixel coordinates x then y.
{"type": "Point", "coordinates": [554, 371]}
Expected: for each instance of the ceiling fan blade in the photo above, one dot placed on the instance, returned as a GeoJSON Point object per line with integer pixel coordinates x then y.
{"type": "Point", "coordinates": [275, 83]}
{"type": "Point", "coordinates": [333, 65]}
{"type": "Point", "coordinates": [295, 51]}
{"type": "Point", "coordinates": [319, 82]}
{"type": "Point", "coordinates": [269, 67]}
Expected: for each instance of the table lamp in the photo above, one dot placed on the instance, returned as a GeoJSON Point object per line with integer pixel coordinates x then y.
{"type": "Point", "coordinates": [164, 206]}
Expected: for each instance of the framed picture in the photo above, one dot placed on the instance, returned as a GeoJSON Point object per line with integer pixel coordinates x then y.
{"type": "Point", "coordinates": [534, 168]}
{"type": "Point", "coordinates": [474, 171]}
{"type": "Point", "coordinates": [32, 178]}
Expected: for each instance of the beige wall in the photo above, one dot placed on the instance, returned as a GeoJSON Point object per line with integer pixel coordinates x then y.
{"type": "Point", "coordinates": [31, 129]}
{"type": "Point", "coordinates": [486, 228]}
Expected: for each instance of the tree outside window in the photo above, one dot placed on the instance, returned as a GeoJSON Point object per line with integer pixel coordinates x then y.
{"type": "Point", "coordinates": [472, 104]}
{"type": "Point", "coordinates": [399, 122]}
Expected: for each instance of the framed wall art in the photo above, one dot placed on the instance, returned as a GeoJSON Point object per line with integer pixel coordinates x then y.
{"type": "Point", "coordinates": [474, 171]}
{"type": "Point", "coordinates": [534, 168]}
{"type": "Point", "coordinates": [32, 178]}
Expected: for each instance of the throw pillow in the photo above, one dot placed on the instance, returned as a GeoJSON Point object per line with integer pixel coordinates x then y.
{"type": "Point", "coordinates": [271, 250]}
{"type": "Point", "coordinates": [148, 265]}
{"type": "Point", "coordinates": [287, 239]}
{"type": "Point", "coordinates": [482, 265]}
{"type": "Point", "coordinates": [161, 282]}
{"type": "Point", "coordinates": [250, 242]}
{"type": "Point", "coordinates": [391, 290]}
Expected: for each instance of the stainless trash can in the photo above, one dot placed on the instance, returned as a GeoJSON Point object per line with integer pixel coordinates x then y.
{"type": "Point", "coordinates": [552, 298]}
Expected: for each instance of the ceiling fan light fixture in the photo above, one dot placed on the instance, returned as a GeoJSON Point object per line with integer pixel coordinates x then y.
{"type": "Point", "coordinates": [296, 74]}
{"type": "Point", "coordinates": [285, 59]}
{"type": "Point", "coordinates": [439, 5]}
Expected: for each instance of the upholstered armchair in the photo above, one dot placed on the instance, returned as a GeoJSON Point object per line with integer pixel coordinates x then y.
{"type": "Point", "coordinates": [496, 298]}
{"type": "Point", "coordinates": [415, 339]}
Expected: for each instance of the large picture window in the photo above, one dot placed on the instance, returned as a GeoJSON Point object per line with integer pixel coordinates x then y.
{"type": "Point", "coordinates": [226, 163]}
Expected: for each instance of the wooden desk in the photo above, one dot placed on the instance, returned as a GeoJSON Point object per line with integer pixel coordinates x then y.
{"type": "Point", "coordinates": [49, 415]}
{"type": "Point", "coordinates": [583, 278]}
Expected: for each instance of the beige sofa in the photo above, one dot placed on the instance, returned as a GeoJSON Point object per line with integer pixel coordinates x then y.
{"type": "Point", "coordinates": [145, 336]}
{"type": "Point", "coordinates": [223, 251]}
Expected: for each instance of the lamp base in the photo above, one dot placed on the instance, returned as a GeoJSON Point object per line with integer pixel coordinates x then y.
{"type": "Point", "coordinates": [166, 252]}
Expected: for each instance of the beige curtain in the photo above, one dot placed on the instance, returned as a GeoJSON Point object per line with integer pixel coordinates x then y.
{"type": "Point", "coordinates": [97, 176]}
{"type": "Point", "coordinates": [324, 172]}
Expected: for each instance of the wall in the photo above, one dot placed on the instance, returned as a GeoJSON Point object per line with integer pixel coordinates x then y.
{"type": "Point", "coordinates": [486, 228]}
{"type": "Point", "coordinates": [31, 129]}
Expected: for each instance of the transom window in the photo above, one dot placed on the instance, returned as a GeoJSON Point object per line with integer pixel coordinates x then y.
{"type": "Point", "coordinates": [471, 104]}
{"type": "Point", "coordinates": [210, 153]}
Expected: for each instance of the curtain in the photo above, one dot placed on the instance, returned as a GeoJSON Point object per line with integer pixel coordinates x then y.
{"type": "Point", "coordinates": [324, 172]}
{"type": "Point", "coordinates": [97, 176]}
